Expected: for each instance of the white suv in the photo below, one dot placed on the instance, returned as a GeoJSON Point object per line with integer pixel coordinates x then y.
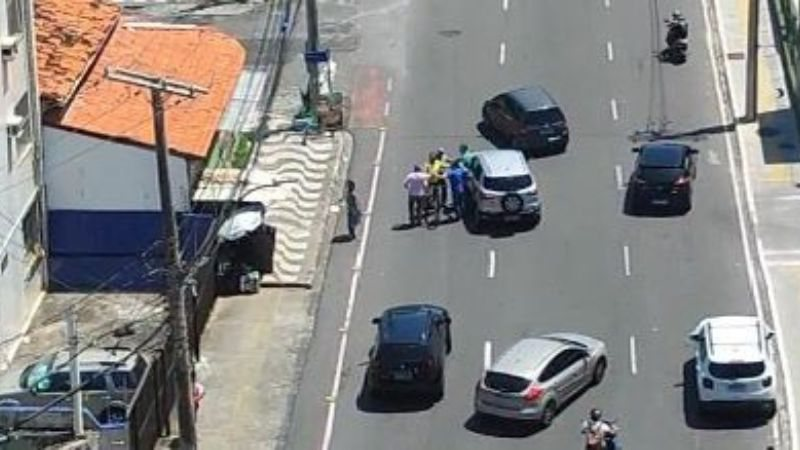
{"type": "Point", "coordinates": [733, 362]}
{"type": "Point", "coordinates": [503, 187]}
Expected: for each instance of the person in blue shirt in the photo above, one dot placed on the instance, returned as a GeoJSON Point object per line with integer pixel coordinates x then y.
{"type": "Point", "coordinates": [457, 177]}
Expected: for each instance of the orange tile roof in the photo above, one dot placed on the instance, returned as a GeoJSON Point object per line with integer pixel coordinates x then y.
{"type": "Point", "coordinates": [69, 35]}
{"type": "Point", "coordinates": [197, 55]}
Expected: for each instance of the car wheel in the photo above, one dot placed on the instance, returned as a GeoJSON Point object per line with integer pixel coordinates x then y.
{"type": "Point", "coordinates": [548, 414]}
{"type": "Point", "coordinates": [599, 371]}
{"type": "Point", "coordinates": [438, 390]}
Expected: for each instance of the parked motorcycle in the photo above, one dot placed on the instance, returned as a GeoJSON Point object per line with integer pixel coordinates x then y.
{"type": "Point", "coordinates": [677, 39]}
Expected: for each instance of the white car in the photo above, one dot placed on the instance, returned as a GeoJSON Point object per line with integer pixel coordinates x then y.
{"type": "Point", "coordinates": [733, 363]}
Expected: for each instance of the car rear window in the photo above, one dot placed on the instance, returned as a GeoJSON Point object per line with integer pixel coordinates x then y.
{"type": "Point", "coordinates": [402, 352]}
{"type": "Point", "coordinates": [504, 382]}
{"type": "Point", "coordinates": [736, 370]}
{"type": "Point", "coordinates": [661, 157]}
{"type": "Point", "coordinates": [544, 117]}
{"type": "Point", "coordinates": [508, 184]}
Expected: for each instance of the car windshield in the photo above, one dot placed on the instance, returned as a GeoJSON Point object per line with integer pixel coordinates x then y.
{"type": "Point", "coordinates": [508, 184]}
{"type": "Point", "coordinates": [544, 117]}
{"type": "Point", "coordinates": [668, 157]}
{"type": "Point", "coordinates": [402, 352]}
{"type": "Point", "coordinates": [505, 383]}
{"type": "Point", "coordinates": [733, 371]}
{"type": "Point", "coordinates": [34, 374]}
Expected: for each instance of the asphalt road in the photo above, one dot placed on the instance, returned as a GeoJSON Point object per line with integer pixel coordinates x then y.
{"type": "Point", "coordinates": [571, 272]}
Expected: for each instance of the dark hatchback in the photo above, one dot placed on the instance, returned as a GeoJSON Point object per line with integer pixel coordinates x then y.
{"type": "Point", "coordinates": [528, 118]}
{"type": "Point", "coordinates": [410, 350]}
{"type": "Point", "coordinates": [663, 175]}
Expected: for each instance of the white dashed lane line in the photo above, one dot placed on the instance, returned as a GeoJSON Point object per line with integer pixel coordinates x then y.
{"type": "Point", "coordinates": [492, 260]}
{"type": "Point", "coordinates": [634, 365]}
{"type": "Point", "coordinates": [619, 177]}
{"type": "Point", "coordinates": [610, 51]}
{"type": "Point", "coordinates": [502, 53]}
{"type": "Point", "coordinates": [614, 109]}
{"type": "Point", "coordinates": [626, 259]}
{"type": "Point", "coordinates": [487, 355]}
{"type": "Point", "coordinates": [607, 4]}
{"type": "Point", "coordinates": [505, 5]}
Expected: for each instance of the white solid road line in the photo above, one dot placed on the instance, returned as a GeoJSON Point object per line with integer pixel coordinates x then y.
{"type": "Point", "coordinates": [487, 355]}
{"type": "Point", "coordinates": [490, 270]}
{"type": "Point", "coordinates": [634, 367]}
{"type": "Point", "coordinates": [751, 272]}
{"type": "Point", "coordinates": [351, 299]}
{"type": "Point", "coordinates": [626, 257]}
{"type": "Point", "coordinates": [610, 51]}
{"type": "Point", "coordinates": [505, 5]}
{"type": "Point", "coordinates": [618, 175]}
{"type": "Point", "coordinates": [502, 53]}
{"type": "Point", "coordinates": [614, 111]}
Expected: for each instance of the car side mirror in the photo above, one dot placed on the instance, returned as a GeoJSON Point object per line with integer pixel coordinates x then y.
{"type": "Point", "coordinates": [770, 334]}
{"type": "Point", "coordinates": [694, 337]}
{"type": "Point", "coordinates": [693, 151]}
{"type": "Point", "coordinates": [448, 320]}
{"type": "Point", "coordinates": [636, 149]}
{"type": "Point", "coordinates": [376, 320]}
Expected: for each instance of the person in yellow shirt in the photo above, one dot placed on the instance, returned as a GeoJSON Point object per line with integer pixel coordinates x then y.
{"type": "Point", "coordinates": [436, 168]}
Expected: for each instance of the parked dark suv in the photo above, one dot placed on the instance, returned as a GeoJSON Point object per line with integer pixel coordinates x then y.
{"type": "Point", "coordinates": [663, 175]}
{"type": "Point", "coordinates": [409, 352]}
{"type": "Point", "coordinates": [527, 119]}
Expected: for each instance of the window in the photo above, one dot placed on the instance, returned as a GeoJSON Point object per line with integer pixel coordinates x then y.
{"type": "Point", "coordinates": [32, 228]}
{"type": "Point", "coordinates": [13, 8]}
{"type": "Point", "coordinates": [504, 382]}
{"type": "Point", "coordinates": [123, 380]}
{"type": "Point", "coordinates": [563, 360]}
{"type": "Point", "coordinates": [25, 134]}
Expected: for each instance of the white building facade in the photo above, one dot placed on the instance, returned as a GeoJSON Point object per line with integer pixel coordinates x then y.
{"type": "Point", "coordinates": [22, 261]}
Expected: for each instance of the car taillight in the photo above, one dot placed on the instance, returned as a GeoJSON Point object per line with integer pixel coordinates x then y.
{"type": "Point", "coordinates": [681, 181]}
{"type": "Point", "coordinates": [533, 394]}
{"type": "Point", "coordinates": [766, 382]}
{"type": "Point", "coordinates": [708, 383]}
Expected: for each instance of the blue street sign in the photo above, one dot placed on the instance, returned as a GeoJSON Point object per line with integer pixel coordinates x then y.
{"type": "Point", "coordinates": [319, 56]}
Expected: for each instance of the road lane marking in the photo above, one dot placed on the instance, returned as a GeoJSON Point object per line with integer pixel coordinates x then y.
{"type": "Point", "coordinates": [610, 51]}
{"type": "Point", "coordinates": [351, 299]}
{"type": "Point", "coordinates": [775, 252]}
{"type": "Point", "coordinates": [614, 112]}
{"type": "Point", "coordinates": [502, 53]}
{"type": "Point", "coordinates": [505, 5]}
{"type": "Point", "coordinates": [753, 215]}
{"type": "Point", "coordinates": [618, 175]}
{"type": "Point", "coordinates": [784, 263]}
{"type": "Point", "coordinates": [389, 84]}
{"type": "Point", "coordinates": [713, 158]}
{"type": "Point", "coordinates": [487, 355]}
{"type": "Point", "coordinates": [626, 257]}
{"type": "Point", "coordinates": [387, 108]}
{"type": "Point", "coordinates": [490, 271]}
{"type": "Point", "coordinates": [634, 367]}
{"type": "Point", "coordinates": [607, 4]}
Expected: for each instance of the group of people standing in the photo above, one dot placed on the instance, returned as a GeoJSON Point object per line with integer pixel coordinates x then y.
{"type": "Point", "coordinates": [439, 172]}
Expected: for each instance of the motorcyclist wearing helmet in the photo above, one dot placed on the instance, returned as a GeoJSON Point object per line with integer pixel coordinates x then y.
{"type": "Point", "coordinates": [599, 433]}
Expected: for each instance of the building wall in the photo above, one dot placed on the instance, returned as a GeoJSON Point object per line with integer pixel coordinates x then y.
{"type": "Point", "coordinates": [93, 174]}
{"type": "Point", "coordinates": [21, 253]}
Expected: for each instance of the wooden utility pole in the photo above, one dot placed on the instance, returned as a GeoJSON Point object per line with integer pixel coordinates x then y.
{"type": "Point", "coordinates": [179, 340]}
{"type": "Point", "coordinates": [74, 372]}
{"type": "Point", "coordinates": [751, 75]}
{"type": "Point", "coordinates": [312, 46]}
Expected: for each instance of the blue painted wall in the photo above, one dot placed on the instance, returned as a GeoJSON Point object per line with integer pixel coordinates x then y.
{"type": "Point", "coordinates": [116, 251]}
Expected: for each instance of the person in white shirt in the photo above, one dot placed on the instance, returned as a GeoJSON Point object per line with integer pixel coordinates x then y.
{"type": "Point", "coordinates": [416, 183]}
{"type": "Point", "coordinates": [599, 433]}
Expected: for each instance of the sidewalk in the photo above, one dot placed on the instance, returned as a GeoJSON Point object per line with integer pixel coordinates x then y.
{"type": "Point", "coordinates": [769, 154]}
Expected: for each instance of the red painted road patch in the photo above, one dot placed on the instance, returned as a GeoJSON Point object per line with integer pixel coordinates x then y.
{"type": "Point", "coordinates": [369, 97]}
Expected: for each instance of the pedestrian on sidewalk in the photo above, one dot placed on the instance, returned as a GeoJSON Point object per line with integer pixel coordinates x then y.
{"type": "Point", "coordinates": [353, 211]}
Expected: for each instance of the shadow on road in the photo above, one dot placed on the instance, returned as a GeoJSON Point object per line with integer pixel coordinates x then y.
{"type": "Point", "coordinates": [691, 135]}
{"type": "Point", "coordinates": [630, 208]}
{"type": "Point", "coordinates": [731, 419]}
{"type": "Point", "coordinates": [777, 138]}
{"type": "Point", "coordinates": [498, 427]}
{"type": "Point", "coordinates": [388, 404]}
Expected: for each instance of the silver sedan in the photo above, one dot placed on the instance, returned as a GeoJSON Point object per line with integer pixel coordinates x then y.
{"type": "Point", "coordinates": [537, 375]}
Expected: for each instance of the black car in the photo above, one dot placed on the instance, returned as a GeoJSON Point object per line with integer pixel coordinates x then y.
{"type": "Point", "coordinates": [409, 352]}
{"type": "Point", "coordinates": [663, 174]}
{"type": "Point", "coordinates": [528, 119]}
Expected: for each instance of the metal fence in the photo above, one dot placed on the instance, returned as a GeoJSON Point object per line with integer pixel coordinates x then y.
{"type": "Point", "coordinates": [787, 38]}
{"type": "Point", "coordinates": [149, 412]}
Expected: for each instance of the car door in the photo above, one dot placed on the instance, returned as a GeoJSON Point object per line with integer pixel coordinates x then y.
{"type": "Point", "coordinates": [503, 120]}
{"type": "Point", "coordinates": [564, 374]}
